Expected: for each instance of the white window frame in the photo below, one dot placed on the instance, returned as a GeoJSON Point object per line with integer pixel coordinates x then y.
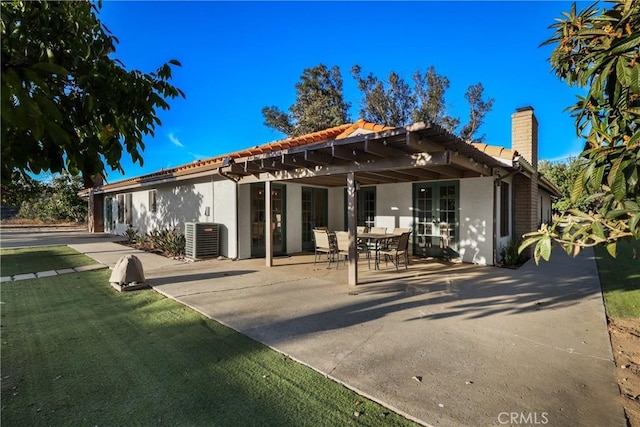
{"type": "Point", "coordinates": [153, 201]}
{"type": "Point", "coordinates": [120, 208]}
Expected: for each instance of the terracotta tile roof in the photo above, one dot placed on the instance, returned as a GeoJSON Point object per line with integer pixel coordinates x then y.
{"type": "Point", "coordinates": [362, 124]}
{"type": "Point", "coordinates": [336, 132]}
{"type": "Point", "coordinates": [495, 151]}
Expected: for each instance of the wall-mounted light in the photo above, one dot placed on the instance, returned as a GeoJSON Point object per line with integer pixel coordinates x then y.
{"type": "Point", "coordinates": [207, 211]}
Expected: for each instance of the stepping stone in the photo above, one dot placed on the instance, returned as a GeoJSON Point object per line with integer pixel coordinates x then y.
{"type": "Point", "coordinates": [65, 271]}
{"type": "Point", "coordinates": [24, 276]}
{"type": "Point", "coordinates": [5, 279]}
{"type": "Point", "coordinates": [47, 273]}
{"type": "Point", "coordinates": [90, 267]}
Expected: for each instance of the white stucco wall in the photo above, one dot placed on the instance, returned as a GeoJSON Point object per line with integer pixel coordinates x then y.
{"type": "Point", "coordinates": [225, 213]}
{"type": "Point", "coordinates": [244, 221]}
{"type": "Point", "coordinates": [189, 201]}
{"type": "Point", "coordinates": [336, 209]}
{"type": "Point", "coordinates": [294, 218]}
{"type": "Point", "coordinates": [476, 220]}
{"type": "Point", "coordinates": [394, 205]}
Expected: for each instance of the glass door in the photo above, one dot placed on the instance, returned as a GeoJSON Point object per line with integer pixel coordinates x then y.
{"type": "Point", "coordinates": [314, 213]}
{"type": "Point", "coordinates": [278, 209]}
{"type": "Point", "coordinates": [436, 207]}
{"type": "Point", "coordinates": [108, 214]}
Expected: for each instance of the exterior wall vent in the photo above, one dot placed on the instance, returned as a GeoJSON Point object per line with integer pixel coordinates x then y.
{"type": "Point", "coordinates": [202, 240]}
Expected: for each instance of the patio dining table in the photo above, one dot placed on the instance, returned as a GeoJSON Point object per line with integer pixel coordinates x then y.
{"type": "Point", "coordinates": [376, 240]}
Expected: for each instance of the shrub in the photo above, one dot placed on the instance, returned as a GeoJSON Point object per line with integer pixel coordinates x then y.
{"type": "Point", "coordinates": [131, 234]}
{"type": "Point", "coordinates": [168, 241]}
{"type": "Point", "coordinates": [510, 256]}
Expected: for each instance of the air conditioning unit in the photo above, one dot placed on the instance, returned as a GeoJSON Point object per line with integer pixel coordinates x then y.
{"type": "Point", "coordinates": [202, 240]}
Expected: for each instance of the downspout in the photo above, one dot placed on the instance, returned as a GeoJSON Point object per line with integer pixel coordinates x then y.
{"type": "Point", "coordinates": [235, 180]}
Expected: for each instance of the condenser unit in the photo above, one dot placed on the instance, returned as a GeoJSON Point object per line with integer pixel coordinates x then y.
{"type": "Point", "coordinates": [202, 240]}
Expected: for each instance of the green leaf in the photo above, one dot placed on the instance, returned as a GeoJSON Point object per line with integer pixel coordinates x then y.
{"type": "Point", "coordinates": [627, 45]}
{"type": "Point", "coordinates": [545, 247]}
{"type": "Point", "coordinates": [634, 225]}
{"type": "Point", "coordinates": [598, 231]}
{"type": "Point", "coordinates": [51, 68]}
{"type": "Point", "coordinates": [578, 186]}
{"type": "Point", "coordinates": [528, 242]}
{"type": "Point", "coordinates": [611, 248]}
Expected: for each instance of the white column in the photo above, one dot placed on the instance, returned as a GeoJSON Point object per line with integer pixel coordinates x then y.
{"type": "Point", "coordinates": [268, 226]}
{"type": "Point", "coordinates": [351, 227]}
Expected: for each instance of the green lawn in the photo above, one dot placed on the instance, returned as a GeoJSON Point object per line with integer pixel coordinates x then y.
{"type": "Point", "coordinates": [620, 280]}
{"type": "Point", "coordinates": [75, 352]}
{"type": "Point", "coordinates": [33, 260]}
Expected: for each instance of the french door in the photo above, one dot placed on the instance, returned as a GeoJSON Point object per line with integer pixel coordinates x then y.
{"type": "Point", "coordinates": [436, 217]}
{"type": "Point", "coordinates": [314, 213]}
{"type": "Point", "coordinates": [258, 215]}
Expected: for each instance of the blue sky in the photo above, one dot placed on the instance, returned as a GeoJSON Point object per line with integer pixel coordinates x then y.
{"type": "Point", "coordinates": [238, 57]}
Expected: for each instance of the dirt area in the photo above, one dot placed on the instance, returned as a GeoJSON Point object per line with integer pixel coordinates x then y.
{"type": "Point", "coordinates": [625, 341]}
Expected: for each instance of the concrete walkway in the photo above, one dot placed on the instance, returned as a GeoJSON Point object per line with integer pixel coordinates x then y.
{"type": "Point", "coordinates": [448, 347]}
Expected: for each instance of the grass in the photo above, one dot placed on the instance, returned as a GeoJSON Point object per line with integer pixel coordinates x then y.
{"type": "Point", "coordinates": [75, 352]}
{"type": "Point", "coordinates": [33, 260]}
{"type": "Point", "coordinates": [620, 280]}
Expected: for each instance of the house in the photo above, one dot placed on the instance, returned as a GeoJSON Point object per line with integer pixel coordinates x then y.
{"type": "Point", "coordinates": [462, 200]}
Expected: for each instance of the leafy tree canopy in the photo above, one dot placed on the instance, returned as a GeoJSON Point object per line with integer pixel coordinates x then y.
{"type": "Point", "coordinates": [389, 106]}
{"type": "Point", "coordinates": [398, 104]}
{"type": "Point", "coordinates": [563, 175]}
{"type": "Point", "coordinates": [319, 104]}
{"type": "Point", "coordinates": [430, 90]}
{"type": "Point", "coordinates": [66, 105]}
{"type": "Point", "coordinates": [600, 50]}
{"type": "Point", "coordinates": [56, 200]}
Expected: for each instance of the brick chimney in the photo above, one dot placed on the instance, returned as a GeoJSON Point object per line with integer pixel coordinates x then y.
{"type": "Point", "coordinates": [524, 140]}
{"type": "Point", "coordinates": [524, 134]}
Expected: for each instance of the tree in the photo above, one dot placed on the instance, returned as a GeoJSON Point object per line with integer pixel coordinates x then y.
{"type": "Point", "coordinates": [478, 110]}
{"type": "Point", "coordinates": [319, 104]}
{"type": "Point", "coordinates": [390, 106]}
{"type": "Point", "coordinates": [66, 104]}
{"type": "Point", "coordinates": [599, 50]}
{"type": "Point", "coordinates": [563, 175]}
{"type": "Point", "coordinates": [430, 89]}
{"type": "Point", "coordinates": [57, 200]}
{"type": "Point", "coordinates": [19, 189]}
{"type": "Point", "coordinates": [397, 103]}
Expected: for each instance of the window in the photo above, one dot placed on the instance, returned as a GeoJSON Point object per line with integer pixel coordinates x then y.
{"type": "Point", "coordinates": [153, 206]}
{"type": "Point", "coordinates": [504, 209]}
{"type": "Point", "coordinates": [127, 208]}
{"type": "Point", "coordinates": [366, 197]}
{"type": "Point", "coordinates": [120, 208]}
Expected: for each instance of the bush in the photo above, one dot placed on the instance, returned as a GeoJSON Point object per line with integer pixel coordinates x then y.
{"type": "Point", "coordinates": [510, 256]}
{"type": "Point", "coordinates": [168, 241]}
{"type": "Point", "coordinates": [131, 234]}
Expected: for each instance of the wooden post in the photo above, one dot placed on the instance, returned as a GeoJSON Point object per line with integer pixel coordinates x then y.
{"type": "Point", "coordinates": [352, 227]}
{"type": "Point", "coordinates": [268, 226]}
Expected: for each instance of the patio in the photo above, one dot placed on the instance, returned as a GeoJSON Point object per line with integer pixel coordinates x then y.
{"type": "Point", "coordinates": [442, 343]}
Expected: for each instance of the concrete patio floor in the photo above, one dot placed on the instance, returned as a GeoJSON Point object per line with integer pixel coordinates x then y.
{"type": "Point", "coordinates": [444, 344]}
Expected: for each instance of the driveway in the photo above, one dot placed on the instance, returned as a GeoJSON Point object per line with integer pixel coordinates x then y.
{"type": "Point", "coordinates": [451, 346]}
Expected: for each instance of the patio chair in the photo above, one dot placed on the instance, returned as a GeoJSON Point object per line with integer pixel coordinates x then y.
{"type": "Point", "coordinates": [342, 242]}
{"type": "Point", "coordinates": [396, 250]}
{"type": "Point", "coordinates": [361, 229]}
{"type": "Point", "coordinates": [399, 230]}
{"type": "Point", "coordinates": [323, 244]}
{"type": "Point", "coordinates": [378, 230]}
